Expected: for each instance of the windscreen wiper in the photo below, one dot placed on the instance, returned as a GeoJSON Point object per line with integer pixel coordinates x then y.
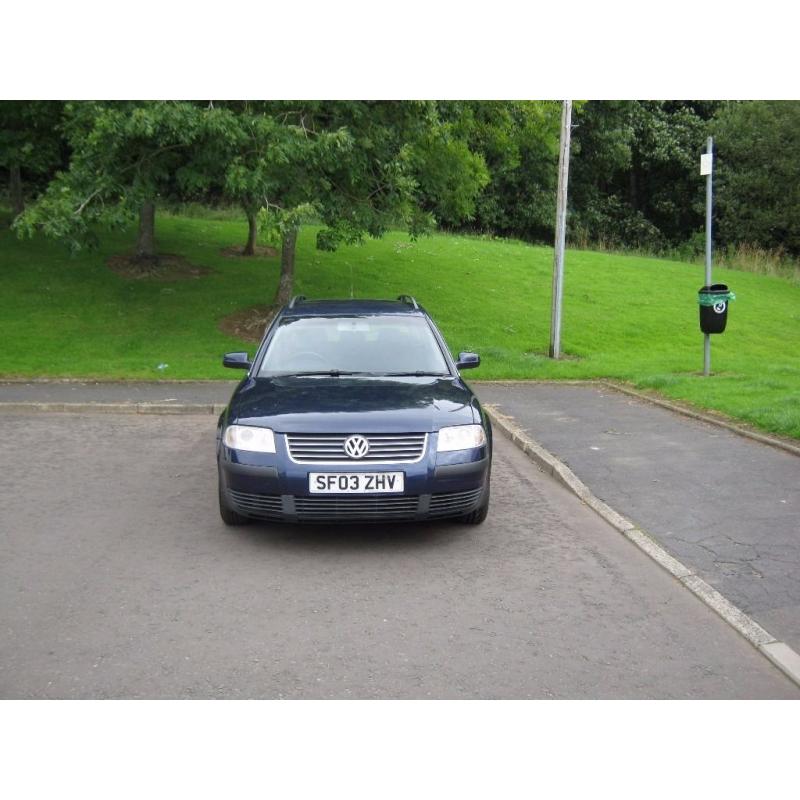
{"type": "Point", "coordinates": [417, 374]}
{"type": "Point", "coordinates": [333, 373]}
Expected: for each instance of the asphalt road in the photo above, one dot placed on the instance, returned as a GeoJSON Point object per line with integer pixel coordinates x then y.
{"type": "Point", "coordinates": [118, 579]}
{"type": "Point", "coordinates": [161, 392]}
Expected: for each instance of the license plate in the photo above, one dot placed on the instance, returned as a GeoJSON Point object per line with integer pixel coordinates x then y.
{"type": "Point", "coordinates": [355, 482]}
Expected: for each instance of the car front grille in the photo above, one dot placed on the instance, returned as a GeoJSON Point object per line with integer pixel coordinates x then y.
{"type": "Point", "coordinates": [323, 448]}
{"type": "Point", "coordinates": [453, 503]}
{"type": "Point", "coordinates": [352, 507]}
{"type": "Point", "coordinates": [266, 506]}
{"type": "Point", "coordinates": [356, 508]}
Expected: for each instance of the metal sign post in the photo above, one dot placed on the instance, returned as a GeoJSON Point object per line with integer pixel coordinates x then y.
{"type": "Point", "coordinates": [707, 169]}
{"type": "Point", "coordinates": [561, 230]}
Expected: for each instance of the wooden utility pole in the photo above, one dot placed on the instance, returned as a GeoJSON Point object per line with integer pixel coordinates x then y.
{"type": "Point", "coordinates": [561, 230]}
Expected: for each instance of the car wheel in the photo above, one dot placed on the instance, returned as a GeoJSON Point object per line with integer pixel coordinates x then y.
{"type": "Point", "coordinates": [229, 516]}
{"type": "Point", "coordinates": [477, 516]}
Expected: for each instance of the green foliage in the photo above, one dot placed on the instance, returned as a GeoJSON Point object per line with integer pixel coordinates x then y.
{"type": "Point", "coordinates": [633, 169]}
{"type": "Point", "coordinates": [357, 166]}
{"type": "Point", "coordinates": [758, 173]}
{"type": "Point", "coordinates": [361, 167]}
{"type": "Point", "coordinates": [518, 142]}
{"type": "Point", "coordinates": [29, 135]}
{"type": "Point", "coordinates": [271, 167]}
{"type": "Point", "coordinates": [123, 154]}
{"type": "Point", "coordinates": [489, 295]}
{"type": "Point", "coordinates": [450, 175]}
{"type": "Point", "coordinates": [634, 177]}
{"type": "Point", "coordinates": [374, 184]}
{"type": "Point", "coordinates": [31, 145]}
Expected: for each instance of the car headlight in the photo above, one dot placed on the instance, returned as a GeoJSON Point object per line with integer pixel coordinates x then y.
{"type": "Point", "coordinates": [246, 437]}
{"type": "Point", "coordinates": [461, 437]}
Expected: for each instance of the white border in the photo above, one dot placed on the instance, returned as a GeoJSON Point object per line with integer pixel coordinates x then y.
{"type": "Point", "coordinates": [404, 749]}
{"type": "Point", "coordinates": [418, 49]}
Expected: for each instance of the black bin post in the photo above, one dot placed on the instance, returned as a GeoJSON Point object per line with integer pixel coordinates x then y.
{"type": "Point", "coordinates": [713, 301]}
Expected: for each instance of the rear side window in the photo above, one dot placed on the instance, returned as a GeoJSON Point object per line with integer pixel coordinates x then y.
{"type": "Point", "coordinates": [363, 344]}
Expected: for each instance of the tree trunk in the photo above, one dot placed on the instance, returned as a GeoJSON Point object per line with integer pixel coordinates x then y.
{"type": "Point", "coordinates": [15, 190]}
{"type": "Point", "coordinates": [286, 283]}
{"type": "Point", "coordinates": [250, 247]}
{"type": "Point", "coordinates": [146, 240]}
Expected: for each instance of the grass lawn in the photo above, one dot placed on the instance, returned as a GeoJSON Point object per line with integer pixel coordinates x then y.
{"type": "Point", "coordinates": [625, 317]}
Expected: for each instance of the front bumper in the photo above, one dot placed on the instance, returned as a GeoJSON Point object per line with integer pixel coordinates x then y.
{"type": "Point", "coordinates": [274, 487]}
{"type": "Point", "coordinates": [354, 508]}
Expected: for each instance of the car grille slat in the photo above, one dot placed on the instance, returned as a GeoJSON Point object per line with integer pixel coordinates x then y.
{"type": "Point", "coordinates": [355, 508]}
{"type": "Point", "coordinates": [383, 448]}
{"type": "Point", "coordinates": [454, 502]}
{"type": "Point", "coordinates": [304, 448]}
{"type": "Point", "coordinates": [256, 505]}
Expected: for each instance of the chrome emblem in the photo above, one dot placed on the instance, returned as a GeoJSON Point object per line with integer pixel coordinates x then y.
{"type": "Point", "coordinates": [356, 446]}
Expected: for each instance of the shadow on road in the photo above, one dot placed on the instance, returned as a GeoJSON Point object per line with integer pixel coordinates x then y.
{"type": "Point", "coordinates": [370, 538]}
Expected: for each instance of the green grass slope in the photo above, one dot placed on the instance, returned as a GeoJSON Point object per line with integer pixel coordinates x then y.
{"type": "Point", "coordinates": [625, 317]}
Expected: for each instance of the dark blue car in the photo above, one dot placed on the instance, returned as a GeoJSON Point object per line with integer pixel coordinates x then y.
{"type": "Point", "coordinates": [353, 410]}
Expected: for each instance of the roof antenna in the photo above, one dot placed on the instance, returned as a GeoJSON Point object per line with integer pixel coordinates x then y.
{"type": "Point", "coordinates": [351, 280]}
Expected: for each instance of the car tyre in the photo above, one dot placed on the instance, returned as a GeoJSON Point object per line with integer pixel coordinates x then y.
{"type": "Point", "coordinates": [229, 516]}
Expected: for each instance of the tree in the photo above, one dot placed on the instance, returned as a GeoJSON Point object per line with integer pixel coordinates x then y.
{"type": "Point", "coordinates": [758, 173]}
{"type": "Point", "coordinates": [518, 142]}
{"type": "Point", "coordinates": [634, 174]}
{"type": "Point", "coordinates": [30, 144]}
{"type": "Point", "coordinates": [125, 157]}
{"type": "Point", "coordinates": [358, 167]}
{"type": "Point", "coordinates": [403, 166]}
{"type": "Point", "coordinates": [450, 174]}
{"type": "Point", "coordinates": [270, 167]}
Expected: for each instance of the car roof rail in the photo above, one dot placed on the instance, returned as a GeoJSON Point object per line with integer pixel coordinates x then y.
{"type": "Point", "coordinates": [409, 300]}
{"type": "Point", "coordinates": [298, 298]}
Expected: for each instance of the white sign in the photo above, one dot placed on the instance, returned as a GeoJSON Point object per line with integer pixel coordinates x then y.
{"type": "Point", "coordinates": [706, 163]}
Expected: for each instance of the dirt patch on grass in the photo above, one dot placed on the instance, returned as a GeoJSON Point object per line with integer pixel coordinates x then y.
{"type": "Point", "coordinates": [265, 251]}
{"type": "Point", "coordinates": [248, 324]}
{"type": "Point", "coordinates": [166, 267]}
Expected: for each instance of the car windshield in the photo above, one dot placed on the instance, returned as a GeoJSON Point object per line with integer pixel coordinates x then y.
{"type": "Point", "coordinates": [375, 345]}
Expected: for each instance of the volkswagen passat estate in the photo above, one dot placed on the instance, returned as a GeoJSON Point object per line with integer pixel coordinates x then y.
{"type": "Point", "coordinates": [353, 410]}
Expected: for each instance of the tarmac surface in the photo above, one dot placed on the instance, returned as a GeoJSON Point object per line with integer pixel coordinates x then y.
{"type": "Point", "coordinates": [55, 391]}
{"type": "Point", "coordinates": [118, 580]}
{"type": "Point", "coordinates": [727, 506]}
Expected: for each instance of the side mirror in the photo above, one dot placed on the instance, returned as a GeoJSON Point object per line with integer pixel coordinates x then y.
{"type": "Point", "coordinates": [236, 360]}
{"type": "Point", "coordinates": [468, 360]}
